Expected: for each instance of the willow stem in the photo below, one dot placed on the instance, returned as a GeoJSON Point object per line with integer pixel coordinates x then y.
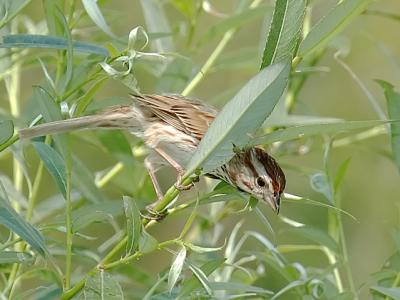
{"type": "Point", "coordinates": [213, 57]}
{"type": "Point", "coordinates": [170, 195]}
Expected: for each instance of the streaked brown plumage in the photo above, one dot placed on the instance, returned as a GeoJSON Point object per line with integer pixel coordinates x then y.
{"type": "Point", "coordinates": [172, 127]}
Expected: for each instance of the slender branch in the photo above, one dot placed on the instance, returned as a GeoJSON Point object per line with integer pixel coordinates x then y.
{"type": "Point", "coordinates": [170, 195]}
{"type": "Point", "coordinates": [213, 57]}
{"type": "Point", "coordinates": [209, 63]}
{"type": "Point", "coordinates": [69, 229]}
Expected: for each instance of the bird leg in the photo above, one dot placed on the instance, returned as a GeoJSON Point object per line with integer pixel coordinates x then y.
{"type": "Point", "coordinates": [177, 167]}
{"type": "Point", "coordinates": [152, 172]}
{"type": "Point", "coordinates": [154, 215]}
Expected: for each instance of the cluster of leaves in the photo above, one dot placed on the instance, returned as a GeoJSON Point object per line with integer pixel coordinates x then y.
{"type": "Point", "coordinates": [52, 238]}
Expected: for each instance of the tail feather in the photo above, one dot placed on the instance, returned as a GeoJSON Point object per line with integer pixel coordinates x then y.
{"type": "Point", "coordinates": [115, 118]}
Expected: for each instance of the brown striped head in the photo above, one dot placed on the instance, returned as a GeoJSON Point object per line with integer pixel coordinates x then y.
{"type": "Point", "coordinates": [256, 172]}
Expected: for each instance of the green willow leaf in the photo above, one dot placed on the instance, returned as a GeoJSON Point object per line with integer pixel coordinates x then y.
{"type": "Point", "coordinates": [233, 286]}
{"type": "Point", "coordinates": [157, 22]}
{"type": "Point", "coordinates": [94, 213]}
{"type": "Point", "coordinates": [333, 23]}
{"type": "Point", "coordinates": [102, 285]}
{"type": "Point", "coordinates": [49, 42]}
{"type": "Point", "coordinates": [54, 164]}
{"type": "Point", "coordinates": [14, 222]}
{"type": "Point", "coordinates": [393, 104]}
{"type": "Point", "coordinates": [133, 224]}
{"type": "Point", "coordinates": [240, 118]}
{"type": "Point", "coordinates": [9, 257]}
{"type": "Point", "coordinates": [296, 132]}
{"type": "Point", "coordinates": [94, 12]}
{"type": "Point", "coordinates": [51, 111]}
{"type": "Point", "coordinates": [316, 235]}
{"type": "Point", "coordinates": [6, 130]}
{"type": "Point", "coordinates": [393, 293]}
{"type": "Point", "coordinates": [193, 283]}
{"type": "Point", "coordinates": [285, 31]}
{"type": "Point", "coordinates": [176, 268]}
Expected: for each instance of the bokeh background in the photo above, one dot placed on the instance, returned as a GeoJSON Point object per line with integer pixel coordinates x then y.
{"type": "Point", "coordinates": [370, 47]}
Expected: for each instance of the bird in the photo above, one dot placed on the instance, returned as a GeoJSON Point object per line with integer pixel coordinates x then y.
{"type": "Point", "coordinates": [172, 127]}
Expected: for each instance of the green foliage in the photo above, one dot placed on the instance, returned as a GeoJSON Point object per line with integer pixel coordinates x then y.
{"type": "Point", "coordinates": [17, 224]}
{"type": "Point", "coordinates": [332, 24]}
{"type": "Point", "coordinates": [240, 118]}
{"type": "Point", "coordinates": [285, 31]}
{"type": "Point", "coordinates": [393, 104]}
{"type": "Point", "coordinates": [73, 218]}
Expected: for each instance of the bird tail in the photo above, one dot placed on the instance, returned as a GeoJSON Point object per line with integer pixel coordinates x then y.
{"type": "Point", "coordinates": [117, 117]}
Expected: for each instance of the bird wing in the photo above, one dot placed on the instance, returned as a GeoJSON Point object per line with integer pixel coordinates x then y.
{"type": "Point", "coordinates": [185, 114]}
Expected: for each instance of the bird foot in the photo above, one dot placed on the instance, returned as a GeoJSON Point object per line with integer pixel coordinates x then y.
{"type": "Point", "coordinates": [178, 185]}
{"type": "Point", "coordinates": [152, 214]}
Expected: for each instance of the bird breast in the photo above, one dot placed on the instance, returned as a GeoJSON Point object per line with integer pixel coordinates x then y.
{"type": "Point", "coordinates": [177, 144]}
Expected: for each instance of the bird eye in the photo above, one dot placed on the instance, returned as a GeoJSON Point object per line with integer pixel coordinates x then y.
{"type": "Point", "coordinates": [260, 181]}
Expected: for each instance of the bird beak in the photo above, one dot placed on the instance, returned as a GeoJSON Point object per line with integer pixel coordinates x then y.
{"type": "Point", "coordinates": [274, 202]}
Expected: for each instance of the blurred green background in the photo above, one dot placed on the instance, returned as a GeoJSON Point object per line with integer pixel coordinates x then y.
{"type": "Point", "coordinates": [370, 190]}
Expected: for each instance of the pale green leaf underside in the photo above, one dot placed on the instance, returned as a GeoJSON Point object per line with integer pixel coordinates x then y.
{"type": "Point", "coordinates": [176, 268]}
{"type": "Point", "coordinates": [241, 118]}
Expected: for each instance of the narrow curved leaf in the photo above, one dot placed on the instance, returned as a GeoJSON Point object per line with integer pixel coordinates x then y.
{"type": "Point", "coordinates": [10, 8]}
{"type": "Point", "coordinates": [54, 164]}
{"type": "Point", "coordinates": [133, 224]}
{"type": "Point", "coordinates": [157, 22]}
{"type": "Point", "coordinates": [69, 51]}
{"type": "Point", "coordinates": [285, 31]}
{"type": "Point", "coordinates": [233, 286]}
{"type": "Point", "coordinates": [94, 213]}
{"type": "Point", "coordinates": [49, 42]}
{"type": "Point", "coordinates": [97, 17]}
{"type": "Point", "coordinates": [176, 268]}
{"type": "Point", "coordinates": [240, 118]}
{"type": "Point", "coordinates": [14, 222]}
{"type": "Point", "coordinates": [202, 277]}
{"type": "Point", "coordinates": [393, 105]}
{"type": "Point", "coordinates": [320, 183]}
{"type": "Point", "coordinates": [8, 257]}
{"type": "Point", "coordinates": [193, 283]}
{"type": "Point", "coordinates": [332, 24]}
{"type": "Point", "coordinates": [393, 293]}
{"type": "Point", "coordinates": [6, 130]}
{"type": "Point", "coordinates": [316, 235]}
{"type": "Point", "coordinates": [51, 111]}
{"type": "Point", "coordinates": [87, 98]}
{"type": "Point", "coordinates": [296, 132]}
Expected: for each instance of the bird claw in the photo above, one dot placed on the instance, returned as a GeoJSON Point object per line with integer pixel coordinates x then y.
{"type": "Point", "coordinates": [154, 215]}
{"type": "Point", "coordinates": [179, 186]}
